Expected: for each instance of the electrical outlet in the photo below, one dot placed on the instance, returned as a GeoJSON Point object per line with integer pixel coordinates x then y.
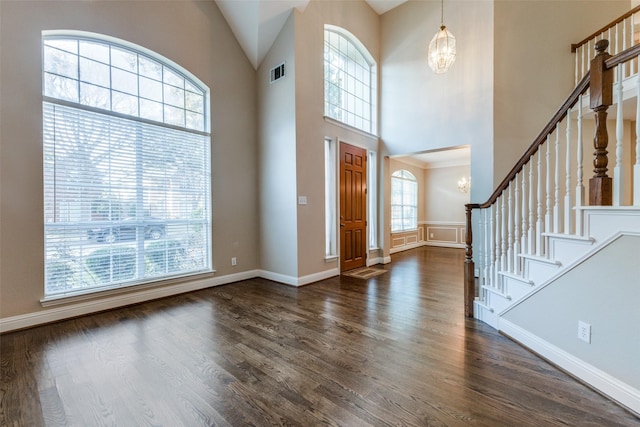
{"type": "Point", "coordinates": [234, 261]}
{"type": "Point", "coordinates": [584, 331]}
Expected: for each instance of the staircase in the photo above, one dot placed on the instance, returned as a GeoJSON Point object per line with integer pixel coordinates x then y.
{"type": "Point", "coordinates": [548, 220]}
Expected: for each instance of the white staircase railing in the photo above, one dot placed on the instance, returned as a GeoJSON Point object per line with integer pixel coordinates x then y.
{"type": "Point", "coordinates": [541, 199]}
{"type": "Point", "coordinates": [622, 34]}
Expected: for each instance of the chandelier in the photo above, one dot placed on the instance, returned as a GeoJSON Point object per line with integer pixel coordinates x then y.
{"type": "Point", "coordinates": [464, 184]}
{"type": "Point", "coordinates": [442, 49]}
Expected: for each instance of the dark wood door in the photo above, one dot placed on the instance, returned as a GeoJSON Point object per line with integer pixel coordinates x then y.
{"type": "Point", "coordinates": [353, 207]}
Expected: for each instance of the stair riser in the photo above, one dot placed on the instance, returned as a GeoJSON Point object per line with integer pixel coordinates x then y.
{"type": "Point", "coordinates": [567, 251]}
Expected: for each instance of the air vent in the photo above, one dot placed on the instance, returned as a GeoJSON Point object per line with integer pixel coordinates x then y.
{"type": "Point", "coordinates": [277, 73]}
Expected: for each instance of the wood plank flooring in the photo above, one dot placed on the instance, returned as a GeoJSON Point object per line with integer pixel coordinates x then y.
{"type": "Point", "coordinates": [391, 350]}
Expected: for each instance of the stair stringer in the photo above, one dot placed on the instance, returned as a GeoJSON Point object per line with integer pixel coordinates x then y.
{"type": "Point", "coordinates": [562, 251]}
{"type": "Point", "coordinates": [615, 386]}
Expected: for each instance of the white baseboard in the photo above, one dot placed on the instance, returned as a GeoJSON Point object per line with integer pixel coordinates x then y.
{"type": "Point", "coordinates": [377, 260]}
{"type": "Point", "coordinates": [445, 244]}
{"type": "Point", "coordinates": [406, 247]}
{"type": "Point", "coordinates": [298, 281]}
{"type": "Point", "coordinates": [613, 387]}
{"type": "Point", "coordinates": [72, 309]}
{"type": "Point", "coordinates": [61, 312]}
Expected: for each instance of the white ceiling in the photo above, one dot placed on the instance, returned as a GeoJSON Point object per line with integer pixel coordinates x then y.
{"type": "Point", "coordinates": [459, 156]}
{"type": "Point", "coordinates": [257, 23]}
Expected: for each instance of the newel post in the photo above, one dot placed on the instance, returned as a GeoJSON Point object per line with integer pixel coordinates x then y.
{"type": "Point", "coordinates": [601, 88]}
{"type": "Point", "coordinates": [469, 267]}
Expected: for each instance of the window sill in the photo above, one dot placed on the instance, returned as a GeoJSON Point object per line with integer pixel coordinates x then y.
{"type": "Point", "coordinates": [105, 291]}
{"type": "Point", "coordinates": [329, 258]}
{"type": "Point", "coordinates": [349, 127]}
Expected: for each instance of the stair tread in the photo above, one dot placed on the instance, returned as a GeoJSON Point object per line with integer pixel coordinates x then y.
{"type": "Point", "coordinates": [516, 277]}
{"type": "Point", "coordinates": [543, 259]}
{"type": "Point", "coordinates": [497, 292]}
{"type": "Point", "coordinates": [575, 237]}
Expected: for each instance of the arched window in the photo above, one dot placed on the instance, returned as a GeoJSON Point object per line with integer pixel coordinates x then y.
{"type": "Point", "coordinates": [349, 80]}
{"type": "Point", "coordinates": [126, 165]}
{"type": "Point", "coordinates": [404, 201]}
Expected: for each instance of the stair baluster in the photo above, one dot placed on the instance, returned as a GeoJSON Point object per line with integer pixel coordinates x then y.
{"type": "Point", "coordinates": [498, 242]}
{"type": "Point", "coordinates": [556, 183]}
{"type": "Point", "coordinates": [524, 241]}
{"type": "Point", "coordinates": [636, 166]}
{"type": "Point", "coordinates": [539, 226]}
{"type": "Point", "coordinates": [492, 228]}
{"type": "Point", "coordinates": [510, 230]}
{"type": "Point", "coordinates": [531, 236]}
{"type": "Point", "coordinates": [503, 235]}
{"type": "Point", "coordinates": [580, 184]}
{"type": "Point", "coordinates": [568, 229]}
{"type": "Point", "coordinates": [486, 215]}
{"type": "Point", "coordinates": [618, 170]}
{"type": "Point", "coordinates": [516, 226]}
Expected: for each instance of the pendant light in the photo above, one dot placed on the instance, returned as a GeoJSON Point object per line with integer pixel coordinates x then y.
{"type": "Point", "coordinates": [442, 49]}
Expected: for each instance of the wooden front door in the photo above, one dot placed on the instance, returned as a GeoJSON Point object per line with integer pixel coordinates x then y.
{"type": "Point", "coordinates": [353, 207]}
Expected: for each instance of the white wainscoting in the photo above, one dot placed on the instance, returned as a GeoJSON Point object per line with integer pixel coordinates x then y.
{"type": "Point", "coordinates": [430, 233]}
{"type": "Point", "coordinates": [407, 239]}
{"type": "Point", "coordinates": [443, 233]}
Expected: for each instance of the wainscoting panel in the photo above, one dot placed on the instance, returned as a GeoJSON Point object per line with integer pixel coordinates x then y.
{"type": "Point", "coordinates": [448, 234]}
{"type": "Point", "coordinates": [432, 233]}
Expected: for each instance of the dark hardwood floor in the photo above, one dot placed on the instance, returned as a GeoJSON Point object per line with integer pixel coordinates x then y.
{"type": "Point", "coordinates": [392, 350]}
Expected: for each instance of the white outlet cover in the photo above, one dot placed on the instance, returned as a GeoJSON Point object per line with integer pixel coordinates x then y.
{"type": "Point", "coordinates": [584, 331]}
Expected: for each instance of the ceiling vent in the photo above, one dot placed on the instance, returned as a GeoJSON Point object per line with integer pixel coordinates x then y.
{"type": "Point", "coordinates": [276, 73]}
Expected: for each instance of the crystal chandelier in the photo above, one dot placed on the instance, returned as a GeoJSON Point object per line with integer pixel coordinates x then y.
{"type": "Point", "coordinates": [442, 49]}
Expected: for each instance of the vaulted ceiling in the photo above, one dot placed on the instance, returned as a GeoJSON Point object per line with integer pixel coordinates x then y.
{"type": "Point", "coordinates": [257, 23]}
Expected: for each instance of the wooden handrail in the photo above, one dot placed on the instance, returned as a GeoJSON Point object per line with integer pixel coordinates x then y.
{"type": "Point", "coordinates": [622, 57]}
{"type": "Point", "coordinates": [557, 117]}
{"type": "Point", "coordinates": [601, 98]}
{"type": "Point", "coordinates": [580, 89]}
{"type": "Point", "coordinates": [612, 24]}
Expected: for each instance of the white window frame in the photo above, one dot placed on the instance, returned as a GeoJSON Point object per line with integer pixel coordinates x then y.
{"type": "Point", "coordinates": [330, 198]}
{"type": "Point", "coordinates": [352, 82]}
{"type": "Point", "coordinates": [372, 194]}
{"type": "Point", "coordinates": [403, 178]}
{"type": "Point", "coordinates": [53, 102]}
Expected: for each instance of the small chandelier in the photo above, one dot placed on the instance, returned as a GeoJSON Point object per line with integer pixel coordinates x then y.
{"type": "Point", "coordinates": [442, 49]}
{"type": "Point", "coordinates": [464, 184]}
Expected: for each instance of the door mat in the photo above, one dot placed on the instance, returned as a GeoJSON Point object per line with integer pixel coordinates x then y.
{"type": "Point", "coordinates": [364, 272]}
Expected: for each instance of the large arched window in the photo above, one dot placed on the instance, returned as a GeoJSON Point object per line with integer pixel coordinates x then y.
{"type": "Point", "coordinates": [349, 80]}
{"type": "Point", "coordinates": [126, 166]}
{"type": "Point", "coordinates": [404, 201]}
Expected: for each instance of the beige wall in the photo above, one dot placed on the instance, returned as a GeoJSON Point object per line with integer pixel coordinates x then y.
{"type": "Point", "coordinates": [192, 34]}
{"type": "Point", "coordinates": [441, 214]}
{"type": "Point", "coordinates": [443, 201]}
{"type": "Point", "coordinates": [528, 36]}
{"type": "Point", "coordinates": [311, 128]}
{"type": "Point", "coordinates": [422, 111]}
{"type": "Point", "coordinates": [277, 184]}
